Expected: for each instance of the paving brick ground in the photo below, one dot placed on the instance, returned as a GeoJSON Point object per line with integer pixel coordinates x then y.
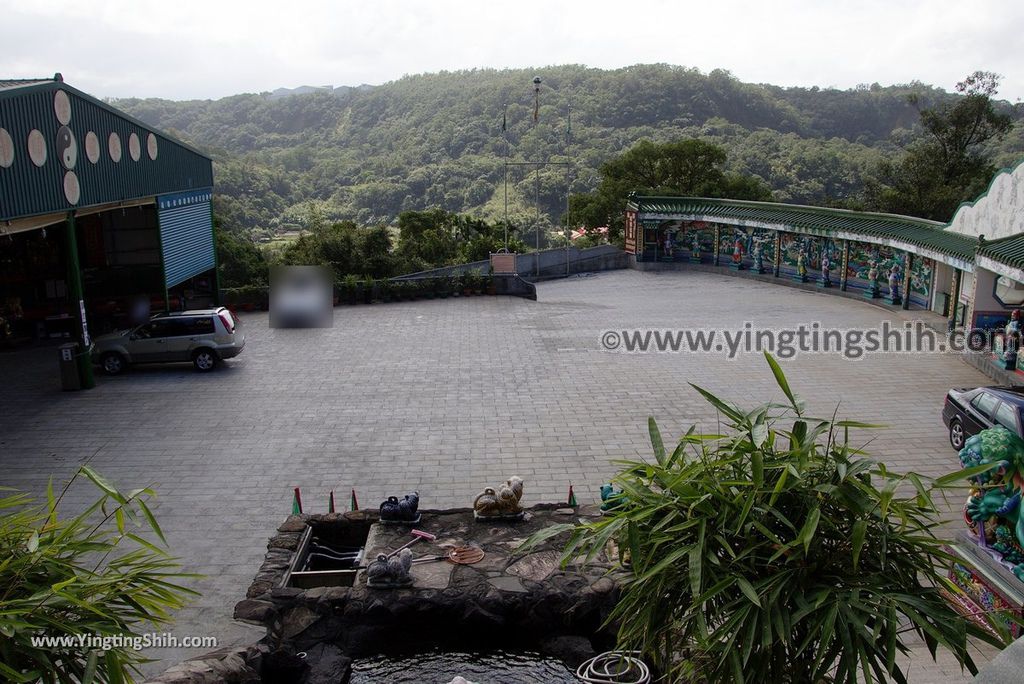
{"type": "Point", "coordinates": [444, 397]}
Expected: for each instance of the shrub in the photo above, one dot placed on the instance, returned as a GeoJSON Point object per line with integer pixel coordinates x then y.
{"type": "Point", "coordinates": [93, 574]}
{"type": "Point", "coordinates": [250, 297]}
{"type": "Point", "coordinates": [776, 553]}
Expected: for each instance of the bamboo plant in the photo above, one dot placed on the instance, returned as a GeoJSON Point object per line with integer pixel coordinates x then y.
{"type": "Point", "coordinates": [776, 552]}
{"type": "Point", "coordinates": [94, 575]}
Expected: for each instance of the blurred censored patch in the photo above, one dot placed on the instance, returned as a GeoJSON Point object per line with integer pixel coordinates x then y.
{"type": "Point", "coordinates": [301, 297]}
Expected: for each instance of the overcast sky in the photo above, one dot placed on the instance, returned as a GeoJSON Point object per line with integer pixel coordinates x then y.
{"type": "Point", "coordinates": [185, 49]}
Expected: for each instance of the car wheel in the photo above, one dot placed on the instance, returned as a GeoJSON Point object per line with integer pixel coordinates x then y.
{"type": "Point", "coordinates": [204, 360]}
{"type": "Point", "coordinates": [956, 435]}
{"type": "Point", "coordinates": [112, 363]}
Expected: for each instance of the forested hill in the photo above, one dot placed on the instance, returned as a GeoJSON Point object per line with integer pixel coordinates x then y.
{"type": "Point", "coordinates": [436, 140]}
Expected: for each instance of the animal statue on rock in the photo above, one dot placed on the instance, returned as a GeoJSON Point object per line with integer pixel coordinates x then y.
{"type": "Point", "coordinates": [390, 572]}
{"type": "Point", "coordinates": [500, 503]}
{"type": "Point", "coordinates": [403, 510]}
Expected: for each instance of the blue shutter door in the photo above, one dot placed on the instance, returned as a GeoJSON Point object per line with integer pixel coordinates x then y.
{"type": "Point", "coordinates": [186, 235]}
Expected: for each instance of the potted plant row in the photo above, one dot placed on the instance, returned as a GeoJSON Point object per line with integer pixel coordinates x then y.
{"type": "Point", "coordinates": [352, 290]}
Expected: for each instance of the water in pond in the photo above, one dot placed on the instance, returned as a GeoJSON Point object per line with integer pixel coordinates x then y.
{"type": "Point", "coordinates": [436, 667]}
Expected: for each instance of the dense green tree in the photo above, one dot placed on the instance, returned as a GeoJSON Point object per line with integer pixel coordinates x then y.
{"type": "Point", "coordinates": [949, 163]}
{"type": "Point", "coordinates": [685, 167]}
{"type": "Point", "coordinates": [346, 248]}
{"type": "Point", "coordinates": [436, 140]}
{"type": "Point", "coordinates": [239, 261]}
{"type": "Point", "coordinates": [435, 237]}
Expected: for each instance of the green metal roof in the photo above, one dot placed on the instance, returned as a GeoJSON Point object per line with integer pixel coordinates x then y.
{"type": "Point", "coordinates": [1008, 250]}
{"type": "Point", "coordinates": [816, 220]}
{"type": "Point", "coordinates": [61, 150]}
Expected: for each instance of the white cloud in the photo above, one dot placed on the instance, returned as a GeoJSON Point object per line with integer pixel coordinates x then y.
{"type": "Point", "coordinates": [188, 49]}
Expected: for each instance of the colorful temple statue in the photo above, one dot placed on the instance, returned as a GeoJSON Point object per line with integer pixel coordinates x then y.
{"type": "Point", "coordinates": [801, 267]}
{"type": "Point", "coordinates": [758, 256]}
{"type": "Point", "coordinates": [826, 270]}
{"type": "Point", "coordinates": [992, 511]}
{"type": "Point", "coordinates": [873, 291]}
{"type": "Point", "coordinates": [1011, 341]}
{"type": "Point", "coordinates": [737, 253]}
{"type": "Point", "coordinates": [894, 285]}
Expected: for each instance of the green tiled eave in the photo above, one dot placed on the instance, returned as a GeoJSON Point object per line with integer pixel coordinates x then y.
{"type": "Point", "coordinates": [1008, 251]}
{"type": "Point", "coordinates": [814, 220]}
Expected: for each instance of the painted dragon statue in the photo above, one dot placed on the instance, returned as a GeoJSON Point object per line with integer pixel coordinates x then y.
{"type": "Point", "coordinates": [993, 509]}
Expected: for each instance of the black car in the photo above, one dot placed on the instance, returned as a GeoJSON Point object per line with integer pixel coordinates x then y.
{"type": "Point", "coordinates": [969, 411]}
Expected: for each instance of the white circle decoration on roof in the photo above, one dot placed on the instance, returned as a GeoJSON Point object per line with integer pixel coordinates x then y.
{"type": "Point", "coordinates": [151, 148]}
{"type": "Point", "coordinates": [71, 189]}
{"type": "Point", "coordinates": [62, 107]}
{"type": "Point", "coordinates": [114, 147]}
{"type": "Point", "coordinates": [134, 147]}
{"type": "Point", "coordinates": [92, 147]}
{"type": "Point", "coordinates": [6, 149]}
{"type": "Point", "coordinates": [37, 147]}
{"type": "Point", "coordinates": [67, 147]}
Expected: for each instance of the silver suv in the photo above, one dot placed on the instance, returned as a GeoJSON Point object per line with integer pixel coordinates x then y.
{"type": "Point", "coordinates": [202, 336]}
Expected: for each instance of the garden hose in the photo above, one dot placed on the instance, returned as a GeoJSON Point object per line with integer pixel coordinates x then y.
{"type": "Point", "coordinates": [614, 667]}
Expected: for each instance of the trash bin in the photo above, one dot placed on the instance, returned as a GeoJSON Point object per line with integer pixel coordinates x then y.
{"type": "Point", "coordinates": [67, 358]}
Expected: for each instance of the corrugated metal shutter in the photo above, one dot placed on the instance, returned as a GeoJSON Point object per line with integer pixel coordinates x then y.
{"type": "Point", "coordinates": [186, 235]}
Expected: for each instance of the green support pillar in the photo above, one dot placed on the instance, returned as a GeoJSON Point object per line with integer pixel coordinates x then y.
{"type": "Point", "coordinates": [906, 280]}
{"type": "Point", "coordinates": [718, 244]}
{"type": "Point", "coordinates": [216, 260]}
{"type": "Point", "coordinates": [78, 305]}
{"type": "Point", "coordinates": [844, 276]}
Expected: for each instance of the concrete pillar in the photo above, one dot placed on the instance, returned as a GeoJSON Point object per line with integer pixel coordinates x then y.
{"type": "Point", "coordinates": [778, 254]}
{"type": "Point", "coordinates": [845, 260]}
{"type": "Point", "coordinates": [906, 280]}
{"type": "Point", "coordinates": [954, 296]}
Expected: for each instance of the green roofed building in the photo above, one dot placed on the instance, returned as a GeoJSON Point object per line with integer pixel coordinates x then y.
{"type": "Point", "coordinates": [970, 270]}
{"type": "Point", "coordinates": [102, 218]}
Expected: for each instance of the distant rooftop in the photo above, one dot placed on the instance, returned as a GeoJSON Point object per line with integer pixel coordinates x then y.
{"type": "Point", "coordinates": [11, 83]}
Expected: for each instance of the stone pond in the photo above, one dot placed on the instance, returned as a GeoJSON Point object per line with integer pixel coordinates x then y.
{"type": "Point", "coordinates": [523, 603]}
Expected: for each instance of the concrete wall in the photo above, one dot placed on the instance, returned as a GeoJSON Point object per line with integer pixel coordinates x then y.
{"type": "Point", "coordinates": [547, 263]}
{"type": "Point", "coordinates": [999, 212]}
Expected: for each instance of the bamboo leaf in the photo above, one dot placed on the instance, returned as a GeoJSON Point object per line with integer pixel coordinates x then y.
{"type": "Point", "coordinates": [860, 528]}
{"type": "Point", "coordinates": [959, 476]}
{"type": "Point", "coordinates": [783, 383]}
{"type": "Point", "coordinates": [757, 466]}
{"type": "Point", "coordinates": [90, 667]}
{"type": "Point", "coordinates": [722, 407]}
{"type": "Point", "coordinates": [659, 446]}
{"type": "Point", "coordinates": [695, 568]}
{"type": "Point", "coordinates": [748, 590]}
{"type": "Point", "coordinates": [810, 526]}
{"type": "Point", "coordinates": [102, 483]}
{"type": "Point", "coordinates": [151, 520]}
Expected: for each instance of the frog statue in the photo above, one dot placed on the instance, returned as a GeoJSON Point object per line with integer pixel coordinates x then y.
{"type": "Point", "coordinates": [992, 510]}
{"type": "Point", "coordinates": [390, 571]}
{"type": "Point", "coordinates": [611, 497]}
{"type": "Point", "coordinates": [502, 504]}
{"type": "Point", "coordinates": [401, 511]}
